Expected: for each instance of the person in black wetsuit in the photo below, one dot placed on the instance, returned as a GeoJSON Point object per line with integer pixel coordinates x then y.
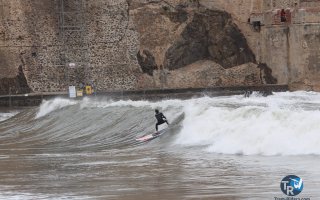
{"type": "Point", "coordinates": [160, 119]}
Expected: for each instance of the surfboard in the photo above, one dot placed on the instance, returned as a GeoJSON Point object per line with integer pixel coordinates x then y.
{"type": "Point", "coordinates": [150, 136]}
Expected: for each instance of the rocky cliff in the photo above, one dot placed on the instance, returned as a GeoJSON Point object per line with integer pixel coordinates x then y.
{"type": "Point", "coordinates": [137, 44]}
{"type": "Point", "coordinates": [288, 48]}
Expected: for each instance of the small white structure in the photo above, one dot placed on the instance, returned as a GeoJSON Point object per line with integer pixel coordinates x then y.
{"type": "Point", "coordinates": [72, 92]}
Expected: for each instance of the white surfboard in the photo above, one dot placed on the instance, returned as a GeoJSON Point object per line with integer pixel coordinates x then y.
{"type": "Point", "coordinates": [150, 136]}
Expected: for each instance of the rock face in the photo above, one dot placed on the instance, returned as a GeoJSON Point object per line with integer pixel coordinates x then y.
{"type": "Point", "coordinates": [182, 37]}
{"type": "Point", "coordinates": [290, 48]}
{"type": "Point", "coordinates": [147, 62]}
{"type": "Point", "coordinates": [123, 45]}
{"type": "Point", "coordinates": [207, 73]}
{"type": "Point", "coordinates": [210, 35]}
{"type": "Point", "coordinates": [15, 85]}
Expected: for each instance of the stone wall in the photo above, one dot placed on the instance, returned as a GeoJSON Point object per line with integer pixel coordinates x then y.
{"type": "Point", "coordinates": [284, 3]}
{"type": "Point", "coordinates": [144, 44]}
{"type": "Point", "coordinates": [309, 3]}
{"type": "Point", "coordinates": [113, 45]}
{"type": "Point", "coordinates": [31, 42]}
{"type": "Point", "coordinates": [120, 45]}
{"type": "Point", "coordinates": [291, 48]}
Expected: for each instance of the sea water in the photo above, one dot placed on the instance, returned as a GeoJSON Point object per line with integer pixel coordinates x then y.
{"type": "Point", "coordinates": [228, 147]}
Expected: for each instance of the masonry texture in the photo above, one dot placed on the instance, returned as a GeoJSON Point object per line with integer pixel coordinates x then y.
{"type": "Point", "coordinates": [47, 45]}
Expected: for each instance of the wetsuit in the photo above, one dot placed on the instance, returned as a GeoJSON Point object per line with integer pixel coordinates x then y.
{"type": "Point", "coordinates": [161, 119]}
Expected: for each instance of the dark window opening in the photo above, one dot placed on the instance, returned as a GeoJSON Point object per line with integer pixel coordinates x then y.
{"type": "Point", "coordinates": [256, 25]}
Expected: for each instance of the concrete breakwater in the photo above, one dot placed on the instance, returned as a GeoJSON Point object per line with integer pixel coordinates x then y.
{"type": "Point", "coordinates": [35, 99]}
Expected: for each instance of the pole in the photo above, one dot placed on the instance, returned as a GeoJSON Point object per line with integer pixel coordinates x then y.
{"type": "Point", "coordinates": [10, 103]}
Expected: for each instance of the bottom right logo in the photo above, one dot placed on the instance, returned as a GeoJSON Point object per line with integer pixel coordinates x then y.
{"type": "Point", "coordinates": [291, 185]}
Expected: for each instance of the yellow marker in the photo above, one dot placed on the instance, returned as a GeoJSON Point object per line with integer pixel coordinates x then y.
{"type": "Point", "coordinates": [79, 93]}
{"type": "Point", "coordinates": [88, 90]}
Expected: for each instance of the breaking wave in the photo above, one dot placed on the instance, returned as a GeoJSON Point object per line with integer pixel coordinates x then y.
{"type": "Point", "coordinates": [7, 115]}
{"type": "Point", "coordinates": [281, 124]}
{"type": "Point", "coordinates": [48, 106]}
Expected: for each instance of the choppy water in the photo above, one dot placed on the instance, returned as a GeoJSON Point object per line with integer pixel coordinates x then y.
{"type": "Point", "coordinates": [216, 148]}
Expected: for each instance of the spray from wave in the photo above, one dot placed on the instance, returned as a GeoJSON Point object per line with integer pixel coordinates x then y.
{"type": "Point", "coordinates": [51, 105]}
{"type": "Point", "coordinates": [276, 125]}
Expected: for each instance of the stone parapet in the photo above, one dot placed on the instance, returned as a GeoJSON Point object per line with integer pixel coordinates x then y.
{"type": "Point", "coordinates": [35, 99]}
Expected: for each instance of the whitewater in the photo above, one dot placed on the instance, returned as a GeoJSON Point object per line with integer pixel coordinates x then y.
{"type": "Point", "coordinates": [224, 147]}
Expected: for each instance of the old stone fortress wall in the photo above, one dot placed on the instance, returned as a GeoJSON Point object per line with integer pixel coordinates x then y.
{"type": "Point", "coordinates": [47, 45]}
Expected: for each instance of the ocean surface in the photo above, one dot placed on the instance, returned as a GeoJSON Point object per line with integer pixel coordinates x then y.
{"type": "Point", "coordinates": [226, 147]}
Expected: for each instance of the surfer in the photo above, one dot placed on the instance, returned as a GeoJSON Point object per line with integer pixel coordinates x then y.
{"type": "Point", "coordinates": [160, 119]}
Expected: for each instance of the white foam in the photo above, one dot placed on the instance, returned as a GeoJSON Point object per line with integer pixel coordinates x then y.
{"type": "Point", "coordinates": [110, 103]}
{"type": "Point", "coordinates": [7, 115]}
{"type": "Point", "coordinates": [275, 125]}
{"type": "Point", "coordinates": [49, 106]}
